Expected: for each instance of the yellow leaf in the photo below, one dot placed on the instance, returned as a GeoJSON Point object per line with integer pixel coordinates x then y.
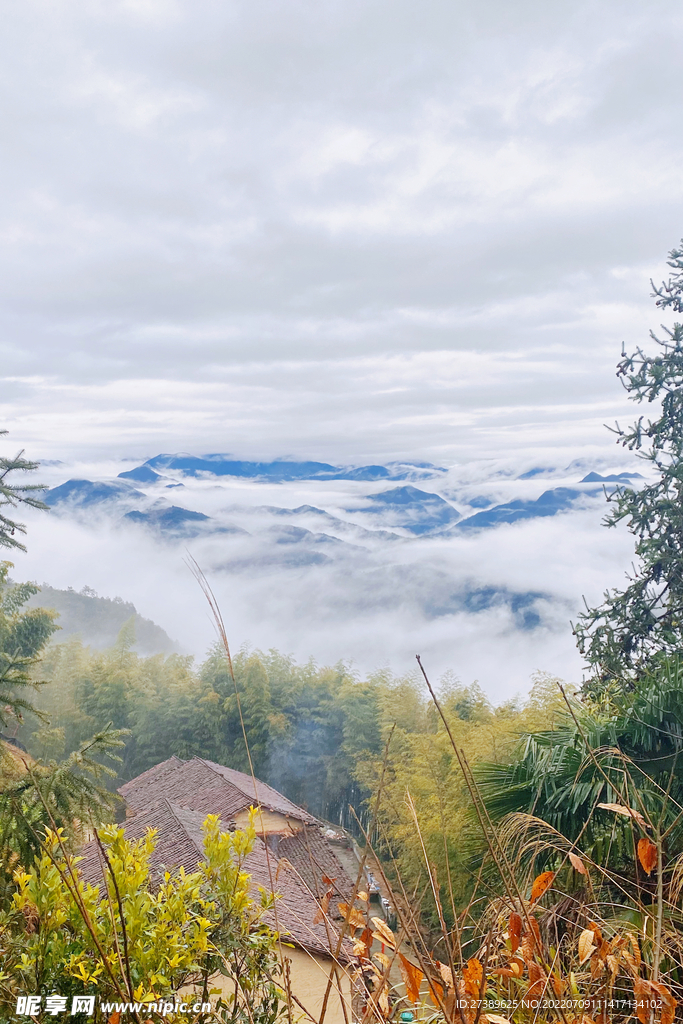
{"type": "Point", "coordinates": [495, 1018]}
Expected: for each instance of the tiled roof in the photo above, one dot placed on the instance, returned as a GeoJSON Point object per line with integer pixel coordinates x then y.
{"type": "Point", "coordinates": [149, 780]}
{"type": "Point", "coordinates": [180, 843]}
{"type": "Point", "coordinates": [191, 784]}
{"type": "Point", "coordinates": [312, 856]}
{"type": "Point", "coordinates": [265, 794]}
{"type": "Point", "coordinates": [205, 786]}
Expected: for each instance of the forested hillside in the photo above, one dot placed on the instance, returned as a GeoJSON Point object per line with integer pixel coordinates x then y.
{"type": "Point", "coordinates": [98, 620]}
{"type": "Point", "coordinates": [315, 733]}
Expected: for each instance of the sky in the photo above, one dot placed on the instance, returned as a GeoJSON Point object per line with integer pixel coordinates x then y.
{"type": "Point", "coordinates": [347, 231]}
{"type": "Point", "coordinates": [342, 230]}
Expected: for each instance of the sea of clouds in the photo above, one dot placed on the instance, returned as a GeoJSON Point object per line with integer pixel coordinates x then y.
{"type": "Point", "coordinates": [493, 604]}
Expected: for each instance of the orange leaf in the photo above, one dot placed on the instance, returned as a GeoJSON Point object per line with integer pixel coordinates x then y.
{"type": "Point", "coordinates": [323, 908]}
{"type": "Point", "coordinates": [383, 1001]}
{"type": "Point", "coordinates": [329, 881]}
{"type": "Point", "coordinates": [541, 883]}
{"type": "Point", "coordinates": [531, 939]}
{"type": "Point", "coordinates": [515, 930]}
{"type": "Point", "coordinates": [669, 1004]}
{"type": "Point", "coordinates": [586, 944]}
{"type": "Point", "coordinates": [383, 932]}
{"type": "Point", "coordinates": [446, 973]}
{"type": "Point", "coordinates": [559, 984]}
{"type": "Point", "coordinates": [642, 991]}
{"type": "Point", "coordinates": [353, 916]}
{"type": "Point", "coordinates": [636, 949]}
{"type": "Point", "coordinates": [577, 863]}
{"type": "Point", "coordinates": [435, 992]}
{"type": "Point", "coordinates": [627, 812]}
{"type": "Point", "coordinates": [473, 976]}
{"type": "Point", "coordinates": [366, 940]}
{"type": "Point", "coordinates": [363, 896]}
{"type": "Point", "coordinates": [647, 855]}
{"type": "Point", "coordinates": [537, 981]}
{"type": "Point", "coordinates": [115, 1017]}
{"type": "Point", "coordinates": [412, 976]}
{"type": "Point", "coordinates": [283, 865]}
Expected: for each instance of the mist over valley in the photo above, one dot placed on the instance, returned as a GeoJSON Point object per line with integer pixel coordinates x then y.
{"type": "Point", "coordinates": [479, 567]}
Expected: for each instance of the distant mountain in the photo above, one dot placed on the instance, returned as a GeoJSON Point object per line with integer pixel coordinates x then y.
{"type": "Point", "coordinates": [325, 520]}
{"type": "Point", "coordinates": [536, 471]}
{"type": "Point", "coordinates": [560, 499]}
{"type": "Point", "coordinates": [174, 521]}
{"type": "Point", "coordinates": [373, 518]}
{"type": "Point", "coordinates": [97, 620]}
{"type": "Point", "coordinates": [278, 471]}
{"type": "Point", "coordinates": [412, 509]}
{"type": "Point", "coordinates": [83, 493]}
{"type": "Point", "coordinates": [595, 478]}
{"type": "Point", "coordinates": [143, 475]}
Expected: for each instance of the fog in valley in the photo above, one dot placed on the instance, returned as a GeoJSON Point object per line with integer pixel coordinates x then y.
{"type": "Point", "coordinates": [325, 569]}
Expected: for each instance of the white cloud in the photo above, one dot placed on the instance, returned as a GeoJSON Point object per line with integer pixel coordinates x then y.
{"type": "Point", "coordinates": [351, 230]}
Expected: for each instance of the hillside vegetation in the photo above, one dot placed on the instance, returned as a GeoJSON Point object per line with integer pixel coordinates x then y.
{"type": "Point", "coordinates": [97, 621]}
{"type": "Point", "coordinates": [314, 732]}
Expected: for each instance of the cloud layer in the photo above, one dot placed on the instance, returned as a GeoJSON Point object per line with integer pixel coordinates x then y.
{"type": "Point", "coordinates": [338, 230]}
{"type": "Point", "coordinates": [345, 230]}
{"type": "Point", "coordinates": [329, 569]}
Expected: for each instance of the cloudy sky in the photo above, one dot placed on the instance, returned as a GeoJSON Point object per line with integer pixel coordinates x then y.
{"type": "Point", "coordinates": [348, 230]}
{"type": "Point", "coordinates": [343, 229]}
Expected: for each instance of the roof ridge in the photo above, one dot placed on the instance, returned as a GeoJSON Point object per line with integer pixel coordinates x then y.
{"type": "Point", "coordinates": [256, 798]}
{"type": "Point", "coordinates": [253, 796]}
{"type": "Point", "coordinates": [148, 771]}
{"type": "Point", "coordinates": [172, 808]}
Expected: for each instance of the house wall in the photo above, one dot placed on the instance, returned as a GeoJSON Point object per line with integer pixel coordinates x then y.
{"type": "Point", "coordinates": [309, 975]}
{"type": "Point", "coordinates": [267, 821]}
